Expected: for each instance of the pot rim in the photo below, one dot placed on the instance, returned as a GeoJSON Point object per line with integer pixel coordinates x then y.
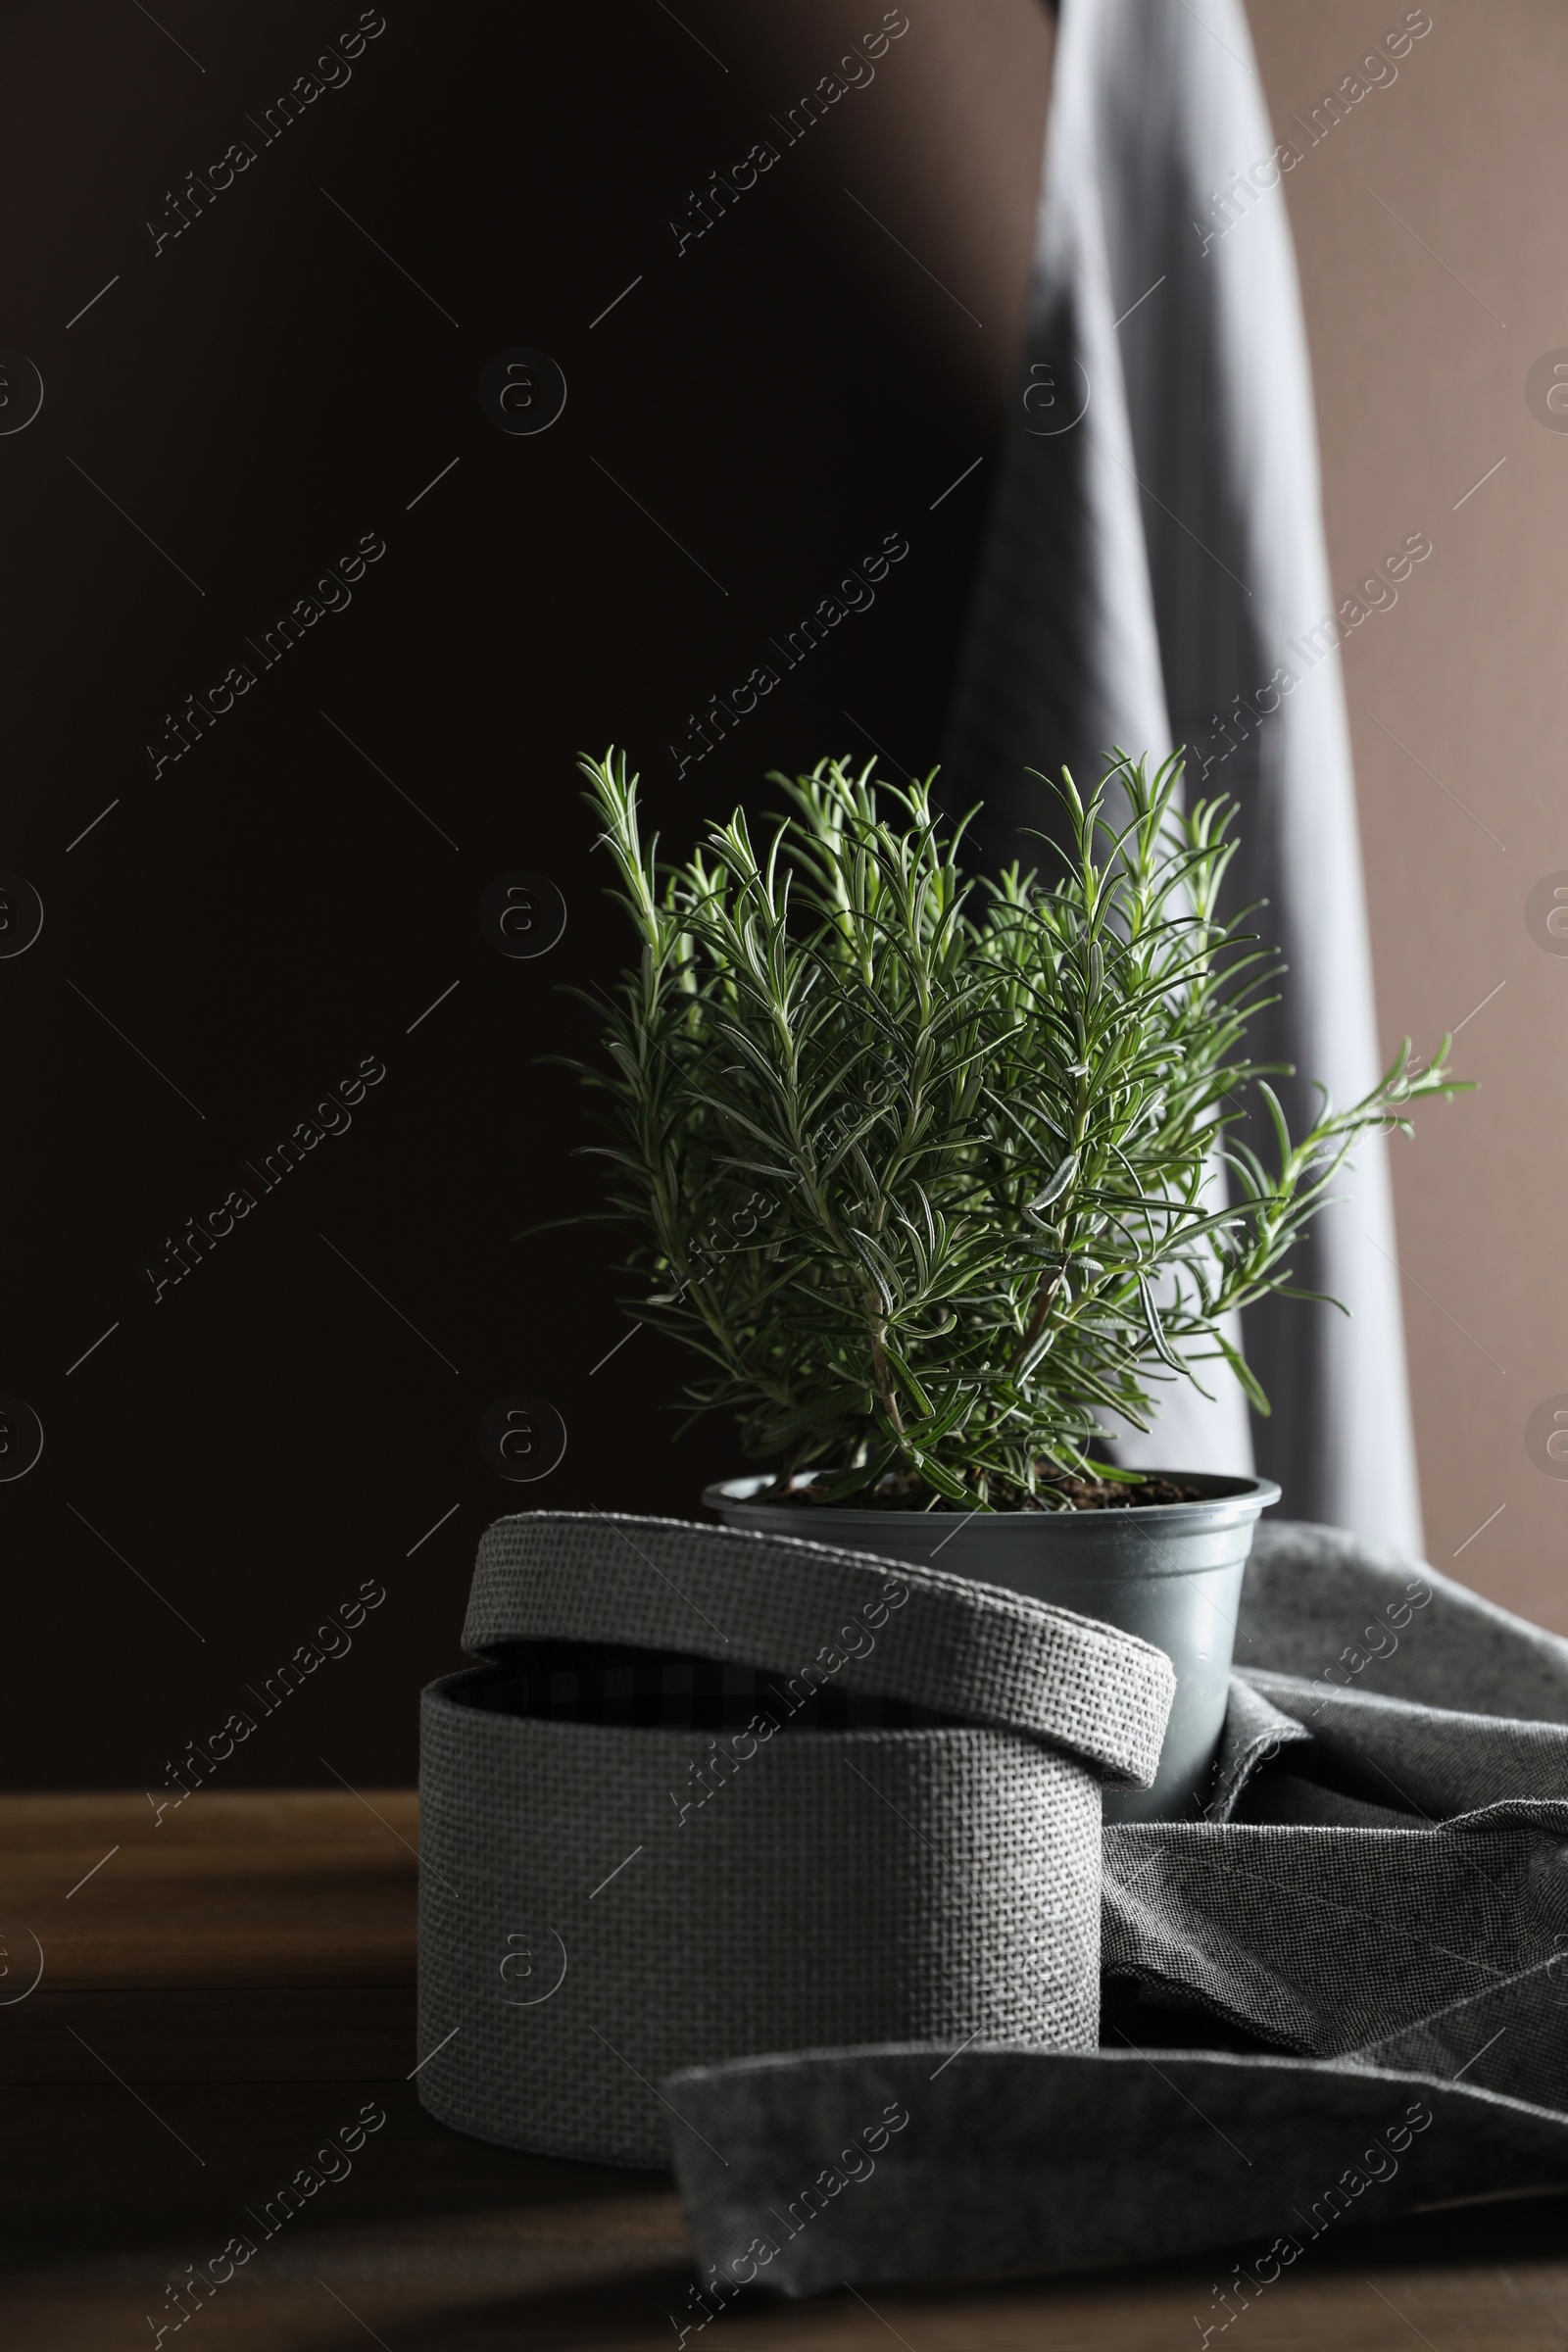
{"type": "Point", "coordinates": [1249, 1496]}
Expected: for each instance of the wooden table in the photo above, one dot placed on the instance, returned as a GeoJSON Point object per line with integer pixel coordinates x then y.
{"type": "Point", "coordinates": [224, 1988]}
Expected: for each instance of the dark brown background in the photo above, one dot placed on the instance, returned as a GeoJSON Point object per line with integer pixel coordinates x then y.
{"type": "Point", "coordinates": [792, 388]}
{"type": "Point", "coordinates": [268, 911]}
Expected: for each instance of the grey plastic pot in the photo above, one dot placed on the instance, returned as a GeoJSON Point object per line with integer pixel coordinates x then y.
{"type": "Point", "coordinates": [1169, 1572]}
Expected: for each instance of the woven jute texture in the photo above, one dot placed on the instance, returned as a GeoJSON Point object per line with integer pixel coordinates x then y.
{"type": "Point", "coordinates": [969, 1648]}
{"type": "Point", "coordinates": [641, 1850]}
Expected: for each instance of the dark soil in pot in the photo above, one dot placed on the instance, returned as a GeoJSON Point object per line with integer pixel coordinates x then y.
{"type": "Point", "coordinates": [1162, 1558]}
{"type": "Point", "coordinates": [894, 1494]}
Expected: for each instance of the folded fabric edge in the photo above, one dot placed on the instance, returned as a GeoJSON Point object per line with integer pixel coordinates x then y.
{"type": "Point", "coordinates": [1021, 2159]}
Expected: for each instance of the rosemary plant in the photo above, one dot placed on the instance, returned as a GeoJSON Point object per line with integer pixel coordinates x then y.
{"type": "Point", "coordinates": [926, 1171]}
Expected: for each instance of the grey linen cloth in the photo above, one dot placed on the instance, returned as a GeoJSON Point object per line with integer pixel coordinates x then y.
{"type": "Point", "coordinates": [1340, 1993]}
{"type": "Point", "coordinates": [1154, 576]}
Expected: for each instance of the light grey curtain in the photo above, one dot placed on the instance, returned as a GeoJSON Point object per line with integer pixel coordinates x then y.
{"type": "Point", "coordinates": [1154, 574]}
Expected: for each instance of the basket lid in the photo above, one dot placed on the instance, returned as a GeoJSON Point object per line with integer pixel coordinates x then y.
{"type": "Point", "coordinates": [882, 1627]}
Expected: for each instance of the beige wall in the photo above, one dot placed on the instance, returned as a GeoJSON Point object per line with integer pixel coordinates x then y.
{"type": "Point", "coordinates": [1420, 390]}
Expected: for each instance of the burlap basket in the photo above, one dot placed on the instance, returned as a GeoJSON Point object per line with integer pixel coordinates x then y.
{"type": "Point", "coordinates": [713, 1793]}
